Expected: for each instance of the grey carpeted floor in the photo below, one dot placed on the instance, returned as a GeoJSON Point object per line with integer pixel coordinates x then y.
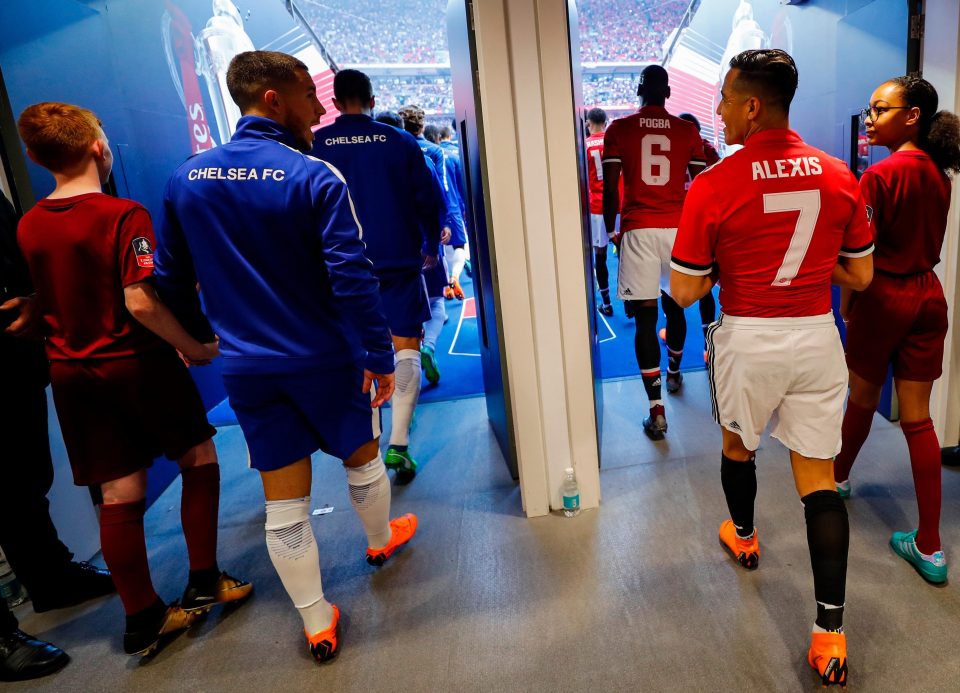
{"type": "Point", "coordinates": [637, 596]}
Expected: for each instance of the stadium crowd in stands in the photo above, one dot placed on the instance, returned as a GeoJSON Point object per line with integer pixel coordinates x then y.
{"type": "Point", "coordinates": [380, 31]}
{"type": "Point", "coordinates": [434, 93]}
{"type": "Point", "coordinates": [385, 32]}
{"type": "Point", "coordinates": [626, 30]}
{"type": "Point", "coordinates": [610, 90]}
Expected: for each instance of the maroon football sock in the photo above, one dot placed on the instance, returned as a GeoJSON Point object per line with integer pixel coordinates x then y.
{"type": "Point", "coordinates": [925, 461]}
{"type": "Point", "coordinates": [856, 427]}
{"type": "Point", "coordinates": [199, 505]}
{"type": "Point", "coordinates": [125, 552]}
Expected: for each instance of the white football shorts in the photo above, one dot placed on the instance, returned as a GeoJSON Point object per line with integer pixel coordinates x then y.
{"type": "Point", "coordinates": [645, 263]}
{"type": "Point", "coordinates": [599, 232]}
{"type": "Point", "coordinates": [790, 370]}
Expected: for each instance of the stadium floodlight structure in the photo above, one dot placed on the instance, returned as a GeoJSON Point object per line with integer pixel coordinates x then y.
{"type": "Point", "coordinates": [693, 62]}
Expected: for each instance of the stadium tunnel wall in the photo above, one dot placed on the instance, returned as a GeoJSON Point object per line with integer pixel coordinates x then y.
{"type": "Point", "coordinates": [843, 50]}
{"type": "Point", "coordinates": [532, 187]}
{"type": "Point", "coordinates": [941, 65]}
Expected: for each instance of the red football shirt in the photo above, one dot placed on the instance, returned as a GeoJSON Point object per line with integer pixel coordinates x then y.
{"type": "Point", "coordinates": [773, 218]}
{"type": "Point", "coordinates": [595, 171]}
{"type": "Point", "coordinates": [910, 198]}
{"type": "Point", "coordinates": [654, 150]}
{"type": "Point", "coordinates": [82, 252]}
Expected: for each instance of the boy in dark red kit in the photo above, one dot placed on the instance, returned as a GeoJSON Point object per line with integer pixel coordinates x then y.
{"type": "Point", "coordinates": [122, 394]}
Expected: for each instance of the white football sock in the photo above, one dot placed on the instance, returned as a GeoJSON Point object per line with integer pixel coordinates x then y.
{"type": "Point", "coordinates": [405, 397]}
{"type": "Point", "coordinates": [459, 258]}
{"type": "Point", "coordinates": [293, 552]}
{"type": "Point", "coordinates": [370, 495]}
{"type": "Point", "coordinates": [449, 254]}
{"type": "Point", "coordinates": [433, 326]}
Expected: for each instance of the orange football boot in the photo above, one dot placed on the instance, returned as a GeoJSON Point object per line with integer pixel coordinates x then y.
{"type": "Point", "coordinates": [325, 645]}
{"type": "Point", "coordinates": [746, 551]}
{"type": "Point", "coordinates": [828, 656]}
{"type": "Point", "coordinates": [402, 530]}
{"type": "Point", "coordinates": [457, 290]}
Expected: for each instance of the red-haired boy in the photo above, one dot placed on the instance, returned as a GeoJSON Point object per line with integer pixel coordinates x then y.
{"type": "Point", "coordinates": [123, 396]}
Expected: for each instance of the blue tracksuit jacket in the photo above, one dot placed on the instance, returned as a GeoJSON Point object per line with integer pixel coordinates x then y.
{"type": "Point", "coordinates": [391, 187]}
{"type": "Point", "coordinates": [270, 235]}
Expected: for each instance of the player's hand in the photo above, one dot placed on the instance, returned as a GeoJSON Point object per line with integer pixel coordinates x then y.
{"type": "Point", "coordinates": [203, 356]}
{"type": "Point", "coordinates": [430, 261]}
{"type": "Point", "coordinates": [24, 321]}
{"type": "Point", "coordinates": [445, 235]}
{"type": "Point", "coordinates": [384, 389]}
{"type": "Point", "coordinates": [617, 238]}
{"type": "Point", "coordinates": [213, 348]}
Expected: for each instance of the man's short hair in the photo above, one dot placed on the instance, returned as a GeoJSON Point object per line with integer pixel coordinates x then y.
{"type": "Point", "coordinates": [432, 133]}
{"type": "Point", "coordinates": [446, 132]}
{"type": "Point", "coordinates": [768, 73]}
{"type": "Point", "coordinates": [352, 85]}
{"type": "Point", "coordinates": [413, 117]}
{"type": "Point", "coordinates": [654, 82]}
{"type": "Point", "coordinates": [597, 116]}
{"type": "Point", "coordinates": [58, 134]}
{"type": "Point", "coordinates": [251, 73]}
{"type": "Point", "coordinates": [390, 118]}
{"type": "Point", "coordinates": [690, 118]}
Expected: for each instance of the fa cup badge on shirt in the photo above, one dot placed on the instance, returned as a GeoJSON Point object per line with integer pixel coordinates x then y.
{"type": "Point", "coordinates": [143, 251]}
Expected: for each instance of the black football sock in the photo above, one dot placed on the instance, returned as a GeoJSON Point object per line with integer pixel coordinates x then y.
{"type": "Point", "coordinates": [828, 536]}
{"type": "Point", "coordinates": [708, 312]}
{"type": "Point", "coordinates": [739, 481]}
{"type": "Point", "coordinates": [676, 332]}
{"type": "Point", "coordinates": [647, 348]}
{"type": "Point", "coordinates": [603, 274]}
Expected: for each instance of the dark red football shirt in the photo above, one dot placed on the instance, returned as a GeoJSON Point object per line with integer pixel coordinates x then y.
{"type": "Point", "coordinates": [910, 198]}
{"type": "Point", "coordinates": [710, 154]}
{"type": "Point", "coordinates": [773, 218]}
{"type": "Point", "coordinates": [654, 150]}
{"type": "Point", "coordinates": [82, 251]}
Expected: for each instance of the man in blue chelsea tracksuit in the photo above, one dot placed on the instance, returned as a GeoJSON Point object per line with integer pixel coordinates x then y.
{"type": "Point", "coordinates": [271, 236]}
{"type": "Point", "coordinates": [436, 278]}
{"type": "Point", "coordinates": [456, 251]}
{"type": "Point", "coordinates": [397, 206]}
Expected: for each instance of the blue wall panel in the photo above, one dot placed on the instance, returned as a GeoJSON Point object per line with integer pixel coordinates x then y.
{"type": "Point", "coordinates": [843, 49]}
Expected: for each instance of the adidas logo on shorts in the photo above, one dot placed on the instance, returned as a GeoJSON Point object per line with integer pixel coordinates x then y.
{"type": "Point", "coordinates": [735, 426]}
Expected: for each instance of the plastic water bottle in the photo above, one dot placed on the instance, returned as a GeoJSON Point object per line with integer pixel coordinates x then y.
{"type": "Point", "coordinates": [571, 494]}
{"type": "Point", "coordinates": [10, 588]}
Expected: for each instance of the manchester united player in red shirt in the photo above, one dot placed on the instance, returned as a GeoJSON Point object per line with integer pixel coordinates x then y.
{"type": "Point", "coordinates": [654, 151]}
{"type": "Point", "coordinates": [774, 223]}
{"type": "Point", "coordinates": [901, 319]}
{"type": "Point", "coordinates": [122, 394]}
{"type": "Point", "coordinates": [596, 124]}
